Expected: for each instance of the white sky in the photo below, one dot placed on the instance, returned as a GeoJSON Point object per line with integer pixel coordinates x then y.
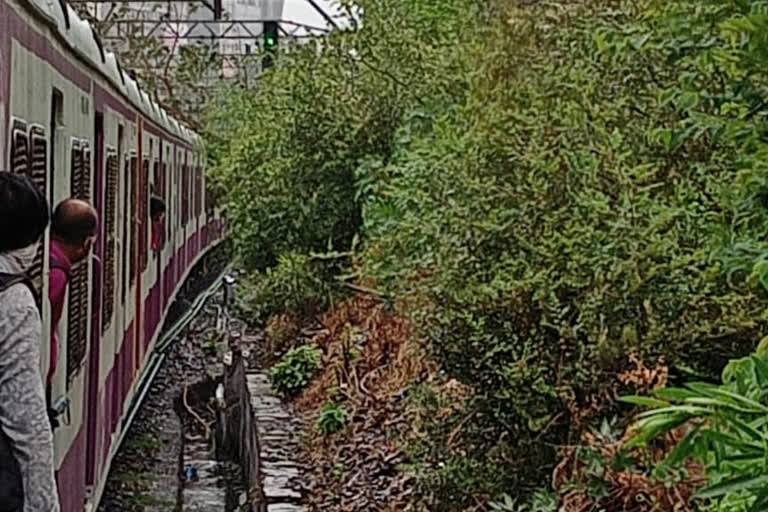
{"type": "Point", "coordinates": [301, 11]}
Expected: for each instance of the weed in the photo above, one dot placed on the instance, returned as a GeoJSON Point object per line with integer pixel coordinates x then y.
{"type": "Point", "coordinates": [333, 417]}
{"type": "Point", "coordinates": [145, 443]}
{"type": "Point", "coordinates": [295, 369]}
{"type": "Point", "coordinates": [133, 478]}
{"type": "Point", "coordinates": [211, 345]}
{"type": "Point", "coordinates": [539, 501]}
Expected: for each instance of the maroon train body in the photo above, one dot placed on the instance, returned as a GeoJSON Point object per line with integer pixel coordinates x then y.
{"type": "Point", "coordinates": [74, 121]}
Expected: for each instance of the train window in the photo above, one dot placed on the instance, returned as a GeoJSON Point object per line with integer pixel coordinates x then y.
{"type": "Point", "coordinates": [196, 192]}
{"type": "Point", "coordinates": [166, 198]}
{"type": "Point", "coordinates": [19, 148]}
{"type": "Point", "coordinates": [189, 191]}
{"type": "Point", "coordinates": [179, 196]}
{"type": "Point", "coordinates": [38, 156]}
{"type": "Point", "coordinates": [132, 212]}
{"type": "Point", "coordinates": [110, 224]}
{"type": "Point", "coordinates": [37, 145]}
{"type": "Point", "coordinates": [86, 184]}
{"type": "Point", "coordinates": [192, 195]}
{"type": "Point", "coordinates": [199, 190]}
{"type": "Point", "coordinates": [157, 179]}
{"type": "Point", "coordinates": [144, 213]}
{"type": "Point", "coordinates": [76, 168]}
{"type": "Point", "coordinates": [57, 120]}
{"type": "Point", "coordinates": [77, 325]}
{"type": "Point", "coordinates": [184, 192]}
{"type": "Point", "coordinates": [127, 224]}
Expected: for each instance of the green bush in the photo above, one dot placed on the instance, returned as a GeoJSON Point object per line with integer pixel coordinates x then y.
{"type": "Point", "coordinates": [540, 501]}
{"type": "Point", "coordinates": [577, 205]}
{"type": "Point", "coordinates": [298, 285]}
{"type": "Point", "coordinates": [332, 418]}
{"type": "Point", "coordinates": [294, 371]}
{"type": "Point", "coordinates": [543, 187]}
{"type": "Point", "coordinates": [285, 154]}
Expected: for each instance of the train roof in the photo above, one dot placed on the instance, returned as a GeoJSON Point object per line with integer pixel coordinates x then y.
{"type": "Point", "coordinates": [86, 43]}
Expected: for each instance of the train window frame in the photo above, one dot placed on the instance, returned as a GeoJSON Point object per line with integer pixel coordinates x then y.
{"type": "Point", "coordinates": [157, 179]}
{"type": "Point", "coordinates": [167, 183]}
{"type": "Point", "coordinates": [110, 236]}
{"type": "Point", "coordinates": [144, 215]}
{"type": "Point", "coordinates": [18, 133]}
{"type": "Point", "coordinates": [179, 187]}
{"type": "Point", "coordinates": [37, 171]}
{"type": "Point", "coordinates": [78, 334]}
{"type": "Point", "coordinates": [75, 160]}
{"type": "Point", "coordinates": [184, 193]}
{"type": "Point", "coordinates": [133, 198]}
{"type": "Point", "coordinates": [85, 149]}
{"type": "Point", "coordinates": [199, 190]}
{"type": "Point", "coordinates": [127, 231]}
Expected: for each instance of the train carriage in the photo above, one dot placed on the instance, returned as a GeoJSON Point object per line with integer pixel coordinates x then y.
{"type": "Point", "coordinates": [80, 126]}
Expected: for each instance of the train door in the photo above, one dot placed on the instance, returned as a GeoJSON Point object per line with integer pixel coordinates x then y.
{"type": "Point", "coordinates": [91, 459]}
{"type": "Point", "coordinates": [136, 256]}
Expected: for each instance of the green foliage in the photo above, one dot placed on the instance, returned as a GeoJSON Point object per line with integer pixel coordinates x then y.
{"type": "Point", "coordinates": [285, 154]}
{"type": "Point", "coordinates": [726, 429]}
{"type": "Point", "coordinates": [298, 284]}
{"type": "Point", "coordinates": [295, 369]}
{"type": "Point", "coordinates": [543, 187]}
{"type": "Point", "coordinates": [213, 342]}
{"type": "Point", "coordinates": [146, 444]}
{"type": "Point", "coordinates": [539, 501]}
{"type": "Point", "coordinates": [332, 418]}
{"type": "Point", "coordinates": [554, 219]}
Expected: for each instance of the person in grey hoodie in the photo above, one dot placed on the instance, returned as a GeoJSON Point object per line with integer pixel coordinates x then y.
{"type": "Point", "coordinates": [26, 440]}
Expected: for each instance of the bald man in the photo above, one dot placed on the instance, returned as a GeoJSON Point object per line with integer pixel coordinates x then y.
{"type": "Point", "coordinates": [73, 231]}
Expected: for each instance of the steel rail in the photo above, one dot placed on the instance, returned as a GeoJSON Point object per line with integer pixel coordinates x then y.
{"type": "Point", "coordinates": [159, 355]}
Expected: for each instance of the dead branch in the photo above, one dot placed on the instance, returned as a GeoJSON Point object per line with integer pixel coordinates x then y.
{"type": "Point", "coordinates": [192, 412]}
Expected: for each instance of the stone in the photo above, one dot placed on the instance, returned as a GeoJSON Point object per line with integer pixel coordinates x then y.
{"type": "Point", "coordinates": [280, 492]}
{"type": "Point", "coordinates": [285, 507]}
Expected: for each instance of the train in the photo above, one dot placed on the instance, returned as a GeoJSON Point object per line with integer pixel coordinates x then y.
{"type": "Point", "coordinates": [81, 126]}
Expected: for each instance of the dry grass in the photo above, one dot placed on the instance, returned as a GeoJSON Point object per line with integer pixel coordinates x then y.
{"type": "Point", "coordinates": [279, 332]}
{"type": "Point", "coordinates": [370, 358]}
{"type": "Point", "coordinates": [628, 490]}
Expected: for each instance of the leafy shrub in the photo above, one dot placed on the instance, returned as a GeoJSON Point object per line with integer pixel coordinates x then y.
{"type": "Point", "coordinates": [539, 501]}
{"type": "Point", "coordinates": [727, 431]}
{"type": "Point", "coordinates": [295, 369]}
{"type": "Point", "coordinates": [553, 220]}
{"type": "Point", "coordinates": [298, 285]}
{"type": "Point", "coordinates": [575, 181]}
{"type": "Point", "coordinates": [332, 418]}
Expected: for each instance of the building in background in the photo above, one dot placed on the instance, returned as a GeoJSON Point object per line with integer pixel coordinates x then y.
{"type": "Point", "coordinates": [184, 49]}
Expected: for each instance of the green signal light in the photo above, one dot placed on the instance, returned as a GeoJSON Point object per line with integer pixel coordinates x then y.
{"type": "Point", "coordinates": [270, 41]}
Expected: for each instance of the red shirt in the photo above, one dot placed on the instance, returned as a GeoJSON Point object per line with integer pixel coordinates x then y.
{"type": "Point", "coordinates": [57, 287]}
{"type": "Point", "coordinates": [157, 235]}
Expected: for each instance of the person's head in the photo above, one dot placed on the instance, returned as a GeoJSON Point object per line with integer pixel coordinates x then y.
{"type": "Point", "coordinates": [24, 215]}
{"type": "Point", "coordinates": [74, 228]}
{"type": "Point", "coordinates": [156, 209]}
